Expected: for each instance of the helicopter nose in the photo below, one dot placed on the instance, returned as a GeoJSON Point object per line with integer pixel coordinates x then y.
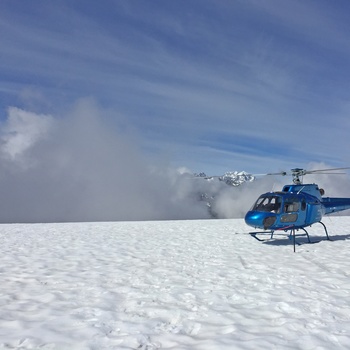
{"type": "Point", "coordinates": [260, 219]}
{"type": "Point", "coordinates": [254, 219]}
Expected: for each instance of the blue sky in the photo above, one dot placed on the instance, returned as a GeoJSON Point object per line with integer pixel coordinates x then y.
{"type": "Point", "coordinates": [213, 86]}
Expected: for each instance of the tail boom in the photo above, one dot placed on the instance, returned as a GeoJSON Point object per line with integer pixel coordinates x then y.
{"type": "Point", "coordinates": [333, 205]}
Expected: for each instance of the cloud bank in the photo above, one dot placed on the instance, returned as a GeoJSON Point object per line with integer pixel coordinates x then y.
{"type": "Point", "coordinates": [79, 168]}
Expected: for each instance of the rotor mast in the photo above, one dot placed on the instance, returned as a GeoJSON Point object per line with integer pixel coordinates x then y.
{"type": "Point", "coordinates": [296, 173]}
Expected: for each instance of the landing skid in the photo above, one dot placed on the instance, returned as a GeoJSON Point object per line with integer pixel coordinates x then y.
{"type": "Point", "coordinates": [292, 234]}
{"type": "Point", "coordinates": [254, 234]}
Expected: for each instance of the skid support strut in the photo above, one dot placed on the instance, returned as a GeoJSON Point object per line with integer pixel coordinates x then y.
{"type": "Point", "coordinates": [325, 229]}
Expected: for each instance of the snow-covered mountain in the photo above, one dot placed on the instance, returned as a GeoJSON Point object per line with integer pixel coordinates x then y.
{"type": "Point", "coordinates": [231, 178]}
{"type": "Point", "coordinates": [213, 189]}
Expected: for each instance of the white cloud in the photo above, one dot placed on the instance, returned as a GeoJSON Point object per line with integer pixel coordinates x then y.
{"type": "Point", "coordinates": [83, 169]}
{"type": "Point", "coordinates": [21, 131]}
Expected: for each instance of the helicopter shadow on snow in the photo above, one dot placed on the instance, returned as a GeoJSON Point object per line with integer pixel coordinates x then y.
{"type": "Point", "coordinates": [285, 239]}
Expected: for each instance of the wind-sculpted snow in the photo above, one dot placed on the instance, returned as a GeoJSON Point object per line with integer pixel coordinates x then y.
{"type": "Point", "coordinates": [196, 285]}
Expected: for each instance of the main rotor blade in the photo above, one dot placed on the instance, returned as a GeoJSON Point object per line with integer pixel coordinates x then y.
{"type": "Point", "coordinates": [294, 172]}
{"type": "Point", "coordinates": [322, 170]}
{"type": "Point", "coordinates": [283, 173]}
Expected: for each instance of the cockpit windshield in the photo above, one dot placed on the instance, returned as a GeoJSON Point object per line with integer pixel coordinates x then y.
{"type": "Point", "coordinates": [268, 203]}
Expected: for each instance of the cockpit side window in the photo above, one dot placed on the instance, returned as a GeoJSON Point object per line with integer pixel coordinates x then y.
{"type": "Point", "coordinates": [268, 204]}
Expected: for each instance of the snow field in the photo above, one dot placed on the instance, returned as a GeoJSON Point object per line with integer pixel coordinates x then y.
{"type": "Point", "coordinates": [198, 285]}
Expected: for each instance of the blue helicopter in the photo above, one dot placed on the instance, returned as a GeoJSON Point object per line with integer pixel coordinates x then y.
{"type": "Point", "coordinates": [294, 208]}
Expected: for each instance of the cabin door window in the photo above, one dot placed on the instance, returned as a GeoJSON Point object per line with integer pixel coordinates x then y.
{"type": "Point", "coordinates": [290, 208]}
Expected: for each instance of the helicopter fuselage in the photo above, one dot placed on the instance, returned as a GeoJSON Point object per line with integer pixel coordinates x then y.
{"type": "Point", "coordinates": [296, 206]}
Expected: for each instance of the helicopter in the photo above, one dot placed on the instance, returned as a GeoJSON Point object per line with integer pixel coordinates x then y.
{"type": "Point", "coordinates": [295, 208]}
